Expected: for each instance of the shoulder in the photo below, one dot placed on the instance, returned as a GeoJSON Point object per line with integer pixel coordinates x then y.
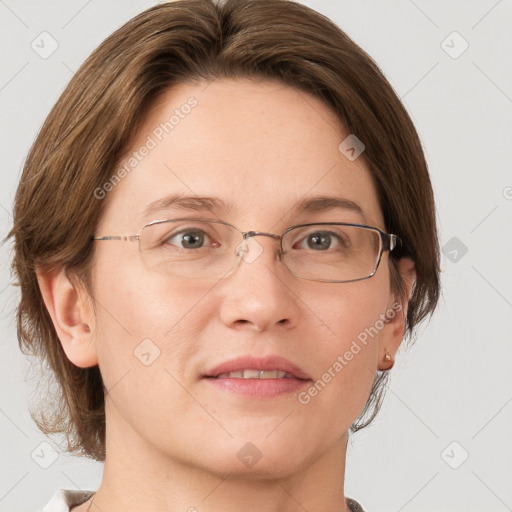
{"type": "Point", "coordinates": [64, 499]}
{"type": "Point", "coordinates": [353, 505]}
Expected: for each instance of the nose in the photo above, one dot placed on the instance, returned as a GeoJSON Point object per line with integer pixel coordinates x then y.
{"type": "Point", "coordinates": [258, 293]}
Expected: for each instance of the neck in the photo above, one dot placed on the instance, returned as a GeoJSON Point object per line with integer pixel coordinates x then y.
{"type": "Point", "coordinates": [138, 476]}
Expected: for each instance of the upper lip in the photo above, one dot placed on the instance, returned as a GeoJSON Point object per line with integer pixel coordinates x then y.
{"type": "Point", "coordinates": [257, 363]}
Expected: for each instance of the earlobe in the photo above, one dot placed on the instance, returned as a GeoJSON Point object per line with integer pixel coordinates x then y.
{"type": "Point", "coordinates": [396, 314]}
{"type": "Point", "coordinates": [71, 314]}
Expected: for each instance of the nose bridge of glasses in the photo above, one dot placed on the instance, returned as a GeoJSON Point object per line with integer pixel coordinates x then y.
{"type": "Point", "coordinates": [250, 250]}
{"type": "Point", "coordinates": [248, 234]}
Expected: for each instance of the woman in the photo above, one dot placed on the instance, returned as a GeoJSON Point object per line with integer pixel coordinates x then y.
{"type": "Point", "coordinates": [223, 232]}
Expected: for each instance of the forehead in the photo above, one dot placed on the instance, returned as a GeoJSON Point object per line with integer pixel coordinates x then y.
{"type": "Point", "coordinates": [263, 151]}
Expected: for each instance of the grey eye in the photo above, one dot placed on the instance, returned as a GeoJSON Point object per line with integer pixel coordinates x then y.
{"type": "Point", "coordinates": [188, 239]}
{"type": "Point", "coordinates": [322, 241]}
{"type": "Point", "coordinates": [319, 240]}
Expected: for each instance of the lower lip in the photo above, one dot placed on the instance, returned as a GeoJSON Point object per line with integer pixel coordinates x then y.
{"type": "Point", "coordinates": [260, 388]}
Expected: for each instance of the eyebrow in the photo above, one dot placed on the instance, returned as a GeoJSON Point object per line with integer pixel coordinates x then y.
{"type": "Point", "coordinates": [216, 205]}
{"type": "Point", "coordinates": [191, 203]}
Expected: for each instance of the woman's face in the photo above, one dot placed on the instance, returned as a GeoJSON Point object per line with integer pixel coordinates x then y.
{"type": "Point", "coordinates": [261, 149]}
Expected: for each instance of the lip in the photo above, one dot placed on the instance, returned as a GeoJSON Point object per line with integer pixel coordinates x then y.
{"type": "Point", "coordinates": [258, 388]}
{"type": "Point", "coordinates": [258, 363]}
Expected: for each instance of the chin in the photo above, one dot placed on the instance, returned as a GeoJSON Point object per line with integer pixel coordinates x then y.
{"type": "Point", "coordinates": [257, 457]}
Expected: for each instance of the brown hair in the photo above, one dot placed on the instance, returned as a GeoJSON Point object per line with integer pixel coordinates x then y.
{"type": "Point", "coordinates": [99, 113]}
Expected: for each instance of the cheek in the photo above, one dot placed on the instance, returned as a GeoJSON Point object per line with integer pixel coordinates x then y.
{"type": "Point", "coordinates": [353, 312]}
{"type": "Point", "coordinates": [347, 355]}
{"type": "Point", "coordinates": [142, 317]}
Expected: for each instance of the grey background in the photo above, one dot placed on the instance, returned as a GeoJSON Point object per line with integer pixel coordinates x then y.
{"type": "Point", "coordinates": [454, 384]}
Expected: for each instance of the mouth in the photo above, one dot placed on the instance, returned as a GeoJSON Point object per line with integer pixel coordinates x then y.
{"type": "Point", "coordinates": [256, 374]}
{"type": "Point", "coordinates": [264, 377]}
{"type": "Point", "coordinates": [251, 367]}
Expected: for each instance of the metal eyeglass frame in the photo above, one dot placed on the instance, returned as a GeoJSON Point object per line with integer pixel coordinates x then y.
{"type": "Point", "coordinates": [388, 241]}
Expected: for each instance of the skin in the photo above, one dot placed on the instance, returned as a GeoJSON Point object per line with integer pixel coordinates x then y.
{"type": "Point", "coordinates": [173, 438]}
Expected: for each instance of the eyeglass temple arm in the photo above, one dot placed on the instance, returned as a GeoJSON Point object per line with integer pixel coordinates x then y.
{"type": "Point", "coordinates": [129, 238]}
{"type": "Point", "coordinates": [389, 241]}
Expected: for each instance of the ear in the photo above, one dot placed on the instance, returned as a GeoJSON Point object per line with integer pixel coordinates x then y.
{"type": "Point", "coordinates": [393, 332]}
{"type": "Point", "coordinates": [72, 315]}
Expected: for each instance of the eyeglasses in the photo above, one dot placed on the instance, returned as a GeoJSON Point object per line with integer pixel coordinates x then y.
{"type": "Point", "coordinates": [334, 252]}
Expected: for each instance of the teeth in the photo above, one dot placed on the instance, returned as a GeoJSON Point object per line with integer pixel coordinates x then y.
{"type": "Point", "coordinates": [255, 374]}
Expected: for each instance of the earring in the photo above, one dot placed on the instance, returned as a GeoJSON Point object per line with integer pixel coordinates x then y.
{"type": "Point", "coordinates": [387, 357]}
